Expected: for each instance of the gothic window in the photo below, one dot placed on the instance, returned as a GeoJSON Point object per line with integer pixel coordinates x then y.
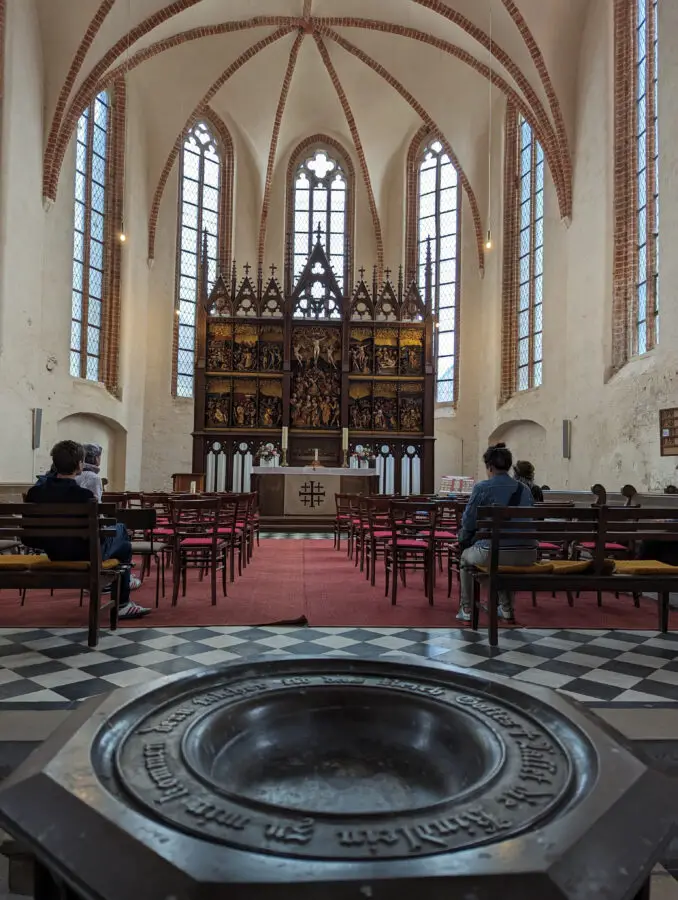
{"type": "Point", "coordinates": [647, 168]}
{"type": "Point", "coordinates": [321, 203]}
{"type": "Point", "coordinates": [438, 225]}
{"type": "Point", "coordinates": [200, 212]}
{"type": "Point", "coordinates": [89, 238]}
{"type": "Point", "coordinates": [530, 262]}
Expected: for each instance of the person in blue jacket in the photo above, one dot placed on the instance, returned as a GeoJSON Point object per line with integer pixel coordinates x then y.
{"type": "Point", "coordinates": [499, 489]}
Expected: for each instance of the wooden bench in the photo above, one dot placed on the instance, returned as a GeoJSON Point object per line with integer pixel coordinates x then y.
{"type": "Point", "coordinates": [89, 522]}
{"type": "Point", "coordinates": [600, 526]}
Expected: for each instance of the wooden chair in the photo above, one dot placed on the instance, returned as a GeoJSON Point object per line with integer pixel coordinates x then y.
{"type": "Point", "coordinates": [30, 522]}
{"type": "Point", "coordinates": [141, 523]}
{"type": "Point", "coordinates": [378, 535]}
{"type": "Point", "coordinates": [343, 520]}
{"type": "Point", "coordinates": [411, 545]}
{"type": "Point", "coordinates": [197, 544]}
{"type": "Point", "coordinates": [120, 499]}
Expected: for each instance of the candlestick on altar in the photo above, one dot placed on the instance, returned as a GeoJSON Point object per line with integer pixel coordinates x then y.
{"type": "Point", "coordinates": [344, 439]}
{"type": "Point", "coordinates": [315, 454]}
{"type": "Point", "coordinates": [285, 437]}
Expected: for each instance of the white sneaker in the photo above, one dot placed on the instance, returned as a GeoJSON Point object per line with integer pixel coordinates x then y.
{"type": "Point", "coordinates": [464, 615]}
{"type": "Point", "coordinates": [134, 583]}
{"type": "Point", "coordinates": [133, 611]}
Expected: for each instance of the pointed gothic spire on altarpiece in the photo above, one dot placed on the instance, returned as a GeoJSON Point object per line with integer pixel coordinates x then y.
{"type": "Point", "coordinates": [246, 302]}
{"type": "Point", "coordinates": [362, 306]}
{"type": "Point", "coordinates": [317, 294]}
{"type": "Point", "coordinates": [220, 300]}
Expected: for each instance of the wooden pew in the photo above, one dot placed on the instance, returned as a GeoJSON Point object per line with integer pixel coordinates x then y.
{"type": "Point", "coordinates": [599, 525]}
{"type": "Point", "coordinates": [89, 522]}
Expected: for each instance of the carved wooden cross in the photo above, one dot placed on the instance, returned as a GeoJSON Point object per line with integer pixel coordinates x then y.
{"type": "Point", "coordinates": [319, 232]}
{"type": "Point", "coordinates": [387, 272]}
{"type": "Point", "coordinates": [361, 272]}
{"type": "Point", "coordinates": [274, 269]}
{"type": "Point", "coordinates": [247, 267]}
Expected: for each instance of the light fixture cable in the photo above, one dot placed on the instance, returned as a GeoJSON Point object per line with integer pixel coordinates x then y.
{"type": "Point", "coordinates": [123, 234]}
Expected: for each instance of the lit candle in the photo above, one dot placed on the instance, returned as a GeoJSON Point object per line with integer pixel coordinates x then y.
{"type": "Point", "coordinates": [344, 438]}
{"type": "Point", "coordinates": [316, 454]}
{"type": "Point", "coordinates": [285, 434]}
{"type": "Point", "coordinates": [194, 487]}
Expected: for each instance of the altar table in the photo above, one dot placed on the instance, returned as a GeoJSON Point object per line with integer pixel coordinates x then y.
{"type": "Point", "coordinates": [294, 492]}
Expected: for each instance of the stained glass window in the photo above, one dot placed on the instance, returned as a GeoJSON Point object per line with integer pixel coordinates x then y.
{"type": "Point", "coordinates": [92, 141]}
{"type": "Point", "coordinates": [321, 200]}
{"type": "Point", "coordinates": [530, 257]}
{"type": "Point", "coordinates": [647, 275]}
{"type": "Point", "coordinates": [438, 223]}
{"type": "Point", "coordinates": [199, 208]}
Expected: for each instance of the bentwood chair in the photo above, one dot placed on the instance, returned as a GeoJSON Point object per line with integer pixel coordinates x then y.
{"type": "Point", "coordinates": [140, 522]}
{"type": "Point", "coordinates": [377, 535]}
{"type": "Point", "coordinates": [197, 543]}
{"type": "Point", "coordinates": [411, 546]}
{"type": "Point", "coordinates": [343, 520]}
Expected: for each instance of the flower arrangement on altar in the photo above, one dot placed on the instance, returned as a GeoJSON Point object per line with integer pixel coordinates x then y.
{"type": "Point", "coordinates": [363, 454]}
{"type": "Point", "coordinates": [267, 452]}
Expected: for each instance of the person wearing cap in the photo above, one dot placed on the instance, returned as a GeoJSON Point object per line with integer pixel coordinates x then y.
{"type": "Point", "coordinates": [89, 478]}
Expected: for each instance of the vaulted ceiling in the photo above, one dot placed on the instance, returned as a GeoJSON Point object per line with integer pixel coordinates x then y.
{"type": "Point", "coordinates": [367, 72]}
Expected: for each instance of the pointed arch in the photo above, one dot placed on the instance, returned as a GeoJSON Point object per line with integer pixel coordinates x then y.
{"type": "Point", "coordinates": [433, 212]}
{"type": "Point", "coordinates": [205, 208]}
{"type": "Point", "coordinates": [301, 239]}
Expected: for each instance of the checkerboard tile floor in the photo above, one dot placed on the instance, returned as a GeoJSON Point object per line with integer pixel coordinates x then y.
{"type": "Point", "coordinates": [55, 666]}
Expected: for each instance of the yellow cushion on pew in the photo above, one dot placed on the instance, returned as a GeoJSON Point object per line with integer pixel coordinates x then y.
{"type": "Point", "coordinates": [543, 568]}
{"type": "Point", "coordinates": [20, 561]}
{"type": "Point", "coordinates": [644, 567]}
{"type": "Point", "coordinates": [571, 566]}
{"type": "Point", "coordinates": [71, 565]}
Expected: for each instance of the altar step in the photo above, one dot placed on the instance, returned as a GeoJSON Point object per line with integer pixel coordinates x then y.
{"type": "Point", "coordinates": [298, 524]}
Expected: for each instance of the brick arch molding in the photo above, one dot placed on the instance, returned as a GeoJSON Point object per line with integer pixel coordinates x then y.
{"type": "Point", "coordinates": [62, 125]}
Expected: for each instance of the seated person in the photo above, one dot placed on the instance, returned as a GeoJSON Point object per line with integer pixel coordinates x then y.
{"type": "Point", "coordinates": [498, 490]}
{"type": "Point", "coordinates": [89, 477]}
{"type": "Point", "coordinates": [523, 471]}
{"type": "Point", "coordinates": [62, 487]}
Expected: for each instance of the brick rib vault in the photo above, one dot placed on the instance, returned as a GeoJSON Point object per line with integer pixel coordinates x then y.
{"type": "Point", "coordinates": [548, 123]}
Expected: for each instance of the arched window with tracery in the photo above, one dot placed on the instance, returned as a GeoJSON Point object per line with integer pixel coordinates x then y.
{"type": "Point", "coordinates": [320, 196]}
{"type": "Point", "coordinates": [97, 232]}
{"type": "Point", "coordinates": [89, 238]}
{"type": "Point", "coordinates": [205, 208]}
{"type": "Point", "coordinates": [635, 310]}
{"type": "Point", "coordinates": [434, 219]}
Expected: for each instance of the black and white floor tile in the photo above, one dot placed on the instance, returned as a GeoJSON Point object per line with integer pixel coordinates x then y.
{"type": "Point", "coordinates": [54, 668]}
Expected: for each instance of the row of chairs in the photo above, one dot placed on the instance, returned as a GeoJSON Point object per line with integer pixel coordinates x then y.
{"type": "Point", "coordinates": [408, 534]}
{"type": "Point", "coordinates": [199, 532]}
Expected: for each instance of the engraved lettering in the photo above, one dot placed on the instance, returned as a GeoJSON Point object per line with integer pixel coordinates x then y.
{"type": "Point", "coordinates": [371, 838]}
{"type": "Point", "coordinates": [297, 680]}
{"type": "Point", "coordinates": [155, 762]}
{"type": "Point", "coordinates": [290, 832]}
{"type": "Point", "coordinates": [169, 724]}
{"type": "Point", "coordinates": [227, 693]}
{"type": "Point", "coordinates": [519, 796]}
{"type": "Point", "coordinates": [536, 764]}
{"type": "Point", "coordinates": [413, 686]}
{"type": "Point", "coordinates": [496, 713]}
{"type": "Point", "coordinates": [339, 679]}
{"type": "Point", "coordinates": [208, 812]}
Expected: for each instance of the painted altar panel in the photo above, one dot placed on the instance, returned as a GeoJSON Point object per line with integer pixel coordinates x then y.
{"type": "Point", "coordinates": [315, 396]}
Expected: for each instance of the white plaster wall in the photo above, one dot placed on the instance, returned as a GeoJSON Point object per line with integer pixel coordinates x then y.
{"type": "Point", "coordinates": [615, 421]}
{"type": "Point", "coordinates": [35, 284]}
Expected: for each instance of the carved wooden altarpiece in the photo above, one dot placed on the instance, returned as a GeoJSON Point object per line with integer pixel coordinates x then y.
{"type": "Point", "coordinates": [316, 360]}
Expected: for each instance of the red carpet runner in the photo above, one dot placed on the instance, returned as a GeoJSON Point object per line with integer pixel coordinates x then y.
{"type": "Point", "coordinates": [294, 579]}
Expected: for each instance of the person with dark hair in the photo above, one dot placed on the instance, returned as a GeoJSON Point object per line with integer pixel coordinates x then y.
{"type": "Point", "coordinates": [499, 489]}
{"type": "Point", "coordinates": [523, 471]}
{"type": "Point", "coordinates": [62, 487]}
{"type": "Point", "coordinates": [89, 477]}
